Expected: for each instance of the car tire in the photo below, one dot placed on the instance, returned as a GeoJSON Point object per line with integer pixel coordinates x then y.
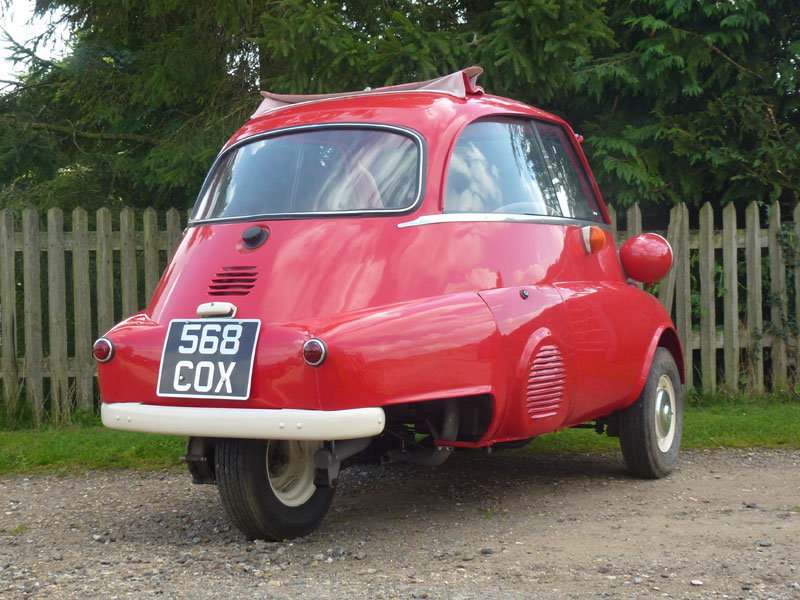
{"type": "Point", "coordinates": [650, 429]}
{"type": "Point", "coordinates": [267, 487]}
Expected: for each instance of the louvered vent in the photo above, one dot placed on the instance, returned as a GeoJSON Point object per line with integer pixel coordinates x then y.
{"type": "Point", "coordinates": [233, 281]}
{"type": "Point", "coordinates": [546, 383]}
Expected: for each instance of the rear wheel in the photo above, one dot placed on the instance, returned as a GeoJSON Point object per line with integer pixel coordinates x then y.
{"type": "Point", "coordinates": [267, 487]}
{"type": "Point", "coordinates": [650, 429]}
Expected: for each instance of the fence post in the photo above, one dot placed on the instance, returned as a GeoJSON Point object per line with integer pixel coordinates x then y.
{"type": "Point", "coordinates": [683, 293]}
{"type": "Point", "coordinates": [633, 216]}
{"type": "Point", "coordinates": [151, 270]}
{"type": "Point", "coordinates": [105, 272]}
{"type": "Point", "coordinates": [755, 318]}
{"type": "Point", "coordinates": [666, 291]}
{"type": "Point", "coordinates": [31, 257]}
{"type": "Point", "coordinates": [795, 262]}
{"type": "Point", "coordinates": [127, 263]}
{"type": "Point", "coordinates": [82, 300]}
{"type": "Point", "coordinates": [730, 333]}
{"type": "Point", "coordinates": [57, 316]}
{"type": "Point", "coordinates": [708, 298]}
{"type": "Point", "coordinates": [8, 309]}
{"type": "Point", "coordinates": [778, 308]}
{"type": "Point", "coordinates": [173, 232]}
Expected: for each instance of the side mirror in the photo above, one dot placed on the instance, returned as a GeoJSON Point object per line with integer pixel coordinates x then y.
{"type": "Point", "coordinates": [646, 257]}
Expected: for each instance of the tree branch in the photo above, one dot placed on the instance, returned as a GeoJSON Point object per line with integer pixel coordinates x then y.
{"type": "Point", "coordinates": [19, 48]}
{"type": "Point", "coordinates": [91, 135]}
{"type": "Point", "coordinates": [720, 52]}
{"type": "Point", "coordinates": [24, 86]}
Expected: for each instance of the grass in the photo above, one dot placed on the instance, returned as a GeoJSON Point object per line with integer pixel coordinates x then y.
{"type": "Point", "coordinates": [77, 448]}
{"type": "Point", "coordinates": [708, 423]}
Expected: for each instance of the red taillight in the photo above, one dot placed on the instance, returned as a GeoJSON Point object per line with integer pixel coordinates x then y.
{"type": "Point", "coordinates": [314, 352]}
{"type": "Point", "coordinates": [103, 350]}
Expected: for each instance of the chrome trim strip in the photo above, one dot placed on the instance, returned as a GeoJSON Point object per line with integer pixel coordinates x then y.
{"type": "Point", "coordinates": [422, 151]}
{"type": "Point", "coordinates": [250, 423]}
{"type": "Point", "coordinates": [499, 218]}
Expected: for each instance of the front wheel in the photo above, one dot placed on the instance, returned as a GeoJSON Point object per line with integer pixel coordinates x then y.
{"type": "Point", "coordinates": [650, 429]}
{"type": "Point", "coordinates": [267, 487]}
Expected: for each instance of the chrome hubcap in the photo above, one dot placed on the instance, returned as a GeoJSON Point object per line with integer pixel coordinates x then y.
{"type": "Point", "coordinates": [665, 413]}
{"type": "Point", "coordinates": [290, 470]}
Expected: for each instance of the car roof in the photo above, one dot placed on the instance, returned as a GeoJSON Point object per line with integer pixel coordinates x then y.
{"type": "Point", "coordinates": [433, 108]}
{"type": "Point", "coordinates": [457, 84]}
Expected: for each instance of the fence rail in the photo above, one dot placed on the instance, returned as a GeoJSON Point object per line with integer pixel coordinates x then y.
{"type": "Point", "coordinates": [736, 327]}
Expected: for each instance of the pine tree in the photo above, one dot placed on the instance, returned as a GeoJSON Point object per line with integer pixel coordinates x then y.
{"type": "Point", "coordinates": [679, 100]}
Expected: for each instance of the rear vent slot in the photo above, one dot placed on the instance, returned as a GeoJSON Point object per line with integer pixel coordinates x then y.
{"type": "Point", "coordinates": [233, 281]}
{"type": "Point", "coordinates": [546, 384]}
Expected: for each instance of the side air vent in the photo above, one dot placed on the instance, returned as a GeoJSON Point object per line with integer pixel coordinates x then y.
{"type": "Point", "coordinates": [233, 281]}
{"type": "Point", "coordinates": [546, 384]}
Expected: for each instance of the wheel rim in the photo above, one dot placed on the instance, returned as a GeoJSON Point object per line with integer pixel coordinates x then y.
{"type": "Point", "coordinates": [290, 470]}
{"type": "Point", "coordinates": [665, 413]}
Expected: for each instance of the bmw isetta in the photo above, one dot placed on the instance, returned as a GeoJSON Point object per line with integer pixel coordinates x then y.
{"type": "Point", "coordinates": [399, 273]}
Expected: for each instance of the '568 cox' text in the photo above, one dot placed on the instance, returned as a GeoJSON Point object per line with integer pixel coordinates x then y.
{"type": "Point", "coordinates": [208, 358]}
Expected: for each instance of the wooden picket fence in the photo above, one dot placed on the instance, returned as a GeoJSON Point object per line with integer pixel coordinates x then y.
{"type": "Point", "coordinates": [107, 266]}
{"type": "Point", "coordinates": [750, 345]}
{"type": "Point", "coordinates": [95, 278]}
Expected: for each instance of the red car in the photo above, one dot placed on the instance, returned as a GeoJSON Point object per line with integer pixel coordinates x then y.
{"type": "Point", "coordinates": [394, 273]}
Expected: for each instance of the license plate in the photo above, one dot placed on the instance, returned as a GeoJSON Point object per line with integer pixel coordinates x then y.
{"type": "Point", "coordinates": [208, 358]}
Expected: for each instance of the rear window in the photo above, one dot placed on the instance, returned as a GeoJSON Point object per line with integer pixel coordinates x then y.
{"type": "Point", "coordinates": [326, 170]}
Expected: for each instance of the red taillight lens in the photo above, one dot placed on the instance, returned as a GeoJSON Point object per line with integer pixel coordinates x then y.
{"type": "Point", "coordinates": [314, 352]}
{"type": "Point", "coordinates": [103, 350]}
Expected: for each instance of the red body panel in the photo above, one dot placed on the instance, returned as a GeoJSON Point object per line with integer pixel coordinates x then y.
{"type": "Point", "coordinates": [413, 310]}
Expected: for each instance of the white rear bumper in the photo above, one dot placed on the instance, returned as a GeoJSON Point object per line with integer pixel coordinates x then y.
{"type": "Point", "coordinates": [285, 424]}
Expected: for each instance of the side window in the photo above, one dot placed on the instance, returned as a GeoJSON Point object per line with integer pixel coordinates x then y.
{"type": "Point", "coordinates": [518, 166]}
{"type": "Point", "coordinates": [497, 166]}
{"type": "Point", "coordinates": [574, 193]}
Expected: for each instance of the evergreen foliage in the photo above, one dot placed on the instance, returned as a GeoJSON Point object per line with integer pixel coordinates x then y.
{"type": "Point", "coordinates": [679, 100]}
{"type": "Point", "coordinates": [700, 102]}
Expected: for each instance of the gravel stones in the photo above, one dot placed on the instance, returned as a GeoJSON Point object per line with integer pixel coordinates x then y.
{"type": "Point", "coordinates": [507, 526]}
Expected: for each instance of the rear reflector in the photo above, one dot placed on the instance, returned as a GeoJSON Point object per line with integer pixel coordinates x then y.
{"type": "Point", "coordinates": [103, 350]}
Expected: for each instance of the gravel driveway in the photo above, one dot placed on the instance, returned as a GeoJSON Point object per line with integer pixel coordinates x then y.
{"type": "Point", "coordinates": [725, 524]}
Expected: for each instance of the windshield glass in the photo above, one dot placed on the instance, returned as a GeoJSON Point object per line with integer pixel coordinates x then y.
{"type": "Point", "coordinates": [321, 170]}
